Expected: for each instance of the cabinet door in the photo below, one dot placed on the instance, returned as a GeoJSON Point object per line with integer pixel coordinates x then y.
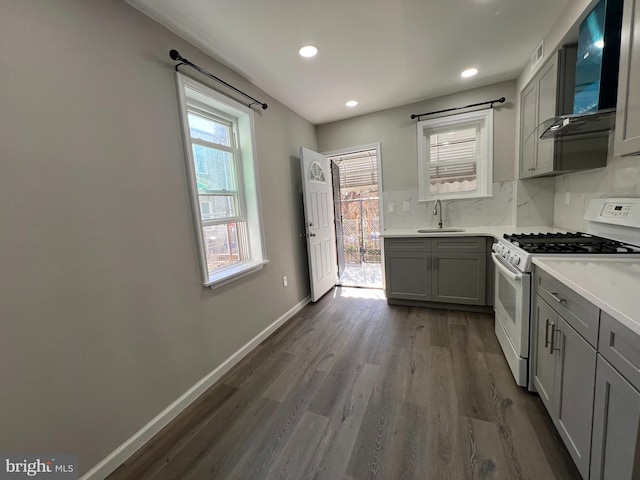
{"type": "Point", "coordinates": [575, 379]}
{"type": "Point", "coordinates": [544, 362]}
{"type": "Point", "coordinates": [528, 123]}
{"type": "Point", "coordinates": [627, 133]}
{"type": "Point", "coordinates": [547, 92]}
{"type": "Point", "coordinates": [407, 275]}
{"type": "Point", "coordinates": [616, 418]}
{"type": "Point", "coordinates": [459, 278]}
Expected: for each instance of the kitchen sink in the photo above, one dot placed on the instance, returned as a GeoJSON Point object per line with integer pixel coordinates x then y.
{"type": "Point", "coordinates": [440, 230]}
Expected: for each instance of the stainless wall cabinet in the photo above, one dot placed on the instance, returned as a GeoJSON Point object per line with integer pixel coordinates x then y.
{"type": "Point", "coordinates": [627, 134]}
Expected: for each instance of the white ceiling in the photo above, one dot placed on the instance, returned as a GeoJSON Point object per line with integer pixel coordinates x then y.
{"type": "Point", "coordinates": [383, 53]}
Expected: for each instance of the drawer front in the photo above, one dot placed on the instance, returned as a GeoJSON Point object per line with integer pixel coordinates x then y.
{"type": "Point", "coordinates": [581, 314]}
{"type": "Point", "coordinates": [407, 244]}
{"type": "Point", "coordinates": [621, 347]}
{"type": "Point", "coordinates": [459, 244]}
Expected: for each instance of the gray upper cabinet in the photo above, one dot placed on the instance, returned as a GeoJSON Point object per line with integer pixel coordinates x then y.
{"type": "Point", "coordinates": [441, 269]}
{"type": "Point", "coordinates": [528, 123]}
{"type": "Point", "coordinates": [627, 134]}
{"type": "Point", "coordinates": [549, 94]}
{"type": "Point", "coordinates": [537, 100]}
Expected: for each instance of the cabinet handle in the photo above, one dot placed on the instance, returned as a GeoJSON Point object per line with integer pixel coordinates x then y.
{"type": "Point", "coordinates": [555, 296]}
{"type": "Point", "coordinates": [552, 347]}
{"type": "Point", "coordinates": [546, 334]}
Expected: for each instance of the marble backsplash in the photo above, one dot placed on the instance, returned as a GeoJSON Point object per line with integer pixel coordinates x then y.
{"type": "Point", "coordinates": [497, 210]}
{"type": "Point", "coordinates": [533, 202]}
{"type": "Point", "coordinates": [620, 178]}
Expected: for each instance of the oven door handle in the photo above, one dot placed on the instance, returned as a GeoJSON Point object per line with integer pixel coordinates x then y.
{"type": "Point", "coordinates": [506, 271]}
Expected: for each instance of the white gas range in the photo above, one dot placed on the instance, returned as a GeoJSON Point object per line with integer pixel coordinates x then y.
{"type": "Point", "coordinates": [614, 229]}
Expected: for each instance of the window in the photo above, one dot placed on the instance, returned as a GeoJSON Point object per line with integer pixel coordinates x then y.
{"type": "Point", "coordinates": [218, 134]}
{"type": "Point", "coordinates": [455, 156]}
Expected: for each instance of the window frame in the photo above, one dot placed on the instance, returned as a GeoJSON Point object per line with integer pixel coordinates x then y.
{"type": "Point", "coordinates": [484, 162]}
{"type": "Point", "coordinates": [203, 100]}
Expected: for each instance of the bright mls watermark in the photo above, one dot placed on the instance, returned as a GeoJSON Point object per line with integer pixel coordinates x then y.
{"type": "Point", "coordinates": [49, 467]}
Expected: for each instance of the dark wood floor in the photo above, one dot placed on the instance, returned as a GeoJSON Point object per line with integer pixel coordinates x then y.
{"type": "Point", "coordinates": [352, 388]}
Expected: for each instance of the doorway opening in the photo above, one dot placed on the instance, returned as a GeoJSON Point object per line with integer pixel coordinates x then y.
{"type": "Point", "coordinates": [356, 196]}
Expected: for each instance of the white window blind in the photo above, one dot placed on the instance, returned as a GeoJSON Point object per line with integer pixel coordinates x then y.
{"type": "Point", "coordinates": [358, 169]}
{"type": "Point", "coordinates": [456, 156]}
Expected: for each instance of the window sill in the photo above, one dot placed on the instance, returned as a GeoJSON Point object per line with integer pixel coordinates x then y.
{"type": "Point", "coordinates": [233, 273]}
{"type": "Point", "coordinates": [442, 198]}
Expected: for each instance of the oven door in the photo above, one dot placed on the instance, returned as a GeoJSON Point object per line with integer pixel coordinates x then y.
{"type": "Point", "coordinates": [511, 305]}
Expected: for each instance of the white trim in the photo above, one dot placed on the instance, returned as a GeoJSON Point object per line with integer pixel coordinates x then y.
{"type": "Point", "coordinates": [484, 169]}
{"type": "Point", "coordinates": [246, 172]}
{"type": "Point", "coordinates": [234, 272]}
{"type": "Point", "coordinates": [370, 146]}
{"type": "Point", "coordinates": [146, 433]}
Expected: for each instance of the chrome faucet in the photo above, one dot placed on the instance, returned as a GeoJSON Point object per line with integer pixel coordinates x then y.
{"type": "Point", "coordinates": [438, 211]}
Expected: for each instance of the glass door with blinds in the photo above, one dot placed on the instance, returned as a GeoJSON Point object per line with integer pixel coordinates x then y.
{"type": "Point", "coordinates": [356, 196]}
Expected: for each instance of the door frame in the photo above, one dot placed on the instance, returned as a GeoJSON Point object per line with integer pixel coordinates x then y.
{"type": "Point", "coordinates": [377, 148]}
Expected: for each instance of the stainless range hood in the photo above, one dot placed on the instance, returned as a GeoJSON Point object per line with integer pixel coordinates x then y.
{"type": "Point", "coordinates": [594, 124]}
{"type": "Point", "coordinates": [595, 86]}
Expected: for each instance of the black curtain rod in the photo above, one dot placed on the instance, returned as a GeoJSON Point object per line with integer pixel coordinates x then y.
{"type": "Point", "coordinates": [183, 61]}
{"type": "Point", "coordinates": [499, 100]}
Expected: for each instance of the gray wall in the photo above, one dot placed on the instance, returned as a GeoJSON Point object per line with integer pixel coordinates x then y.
{"type": "Point", "coordinates": [396, 133]}
{"type": "Point", "coordinates": [103, 318]}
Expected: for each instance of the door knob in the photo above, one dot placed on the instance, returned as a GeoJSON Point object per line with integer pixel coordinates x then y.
{"type": "Point", "coordinates": [312, 234]}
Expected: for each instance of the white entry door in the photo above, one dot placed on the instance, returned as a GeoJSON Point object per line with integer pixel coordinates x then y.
{"type": "Point", "coordinates": [320, 230]}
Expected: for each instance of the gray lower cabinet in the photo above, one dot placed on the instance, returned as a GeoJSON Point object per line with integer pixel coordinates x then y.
{"type": "Point", "coordinates": [543, 367]}
{"type": "Point", "coordinates": [586, 367]}
{"type": "Point", "coordinates": [627, 133]}
{"type": "Point", "coordinates": [564, 374]}
{"type": "Point", "coordinates": [458, 278]}
{"type": "Point", "coordinates": [616, 419]}
{"type": "Point", "coordinates": [616, 422]}
{"type": "Point", "coordinates": [408, 275]}
{"type": "Point", "coordinates": [575, 380]}
{"type": "Point", "coordinates": [442, 270]}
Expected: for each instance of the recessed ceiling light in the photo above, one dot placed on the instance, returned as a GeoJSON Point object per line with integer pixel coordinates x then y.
{"type": "Point", "coordinates": [308, 51]}
{"type": "Point", "coordinates": [469, 72]}
{"type": "Point", "coordinates": [599, 44]}
{"type": "Point", "coordinates": [351, 103]}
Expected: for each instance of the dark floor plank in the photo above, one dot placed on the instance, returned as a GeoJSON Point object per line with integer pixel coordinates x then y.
{"type": "Point", "coordinates": [370, 453]}
{"type": "Point", "coordinates": [352, 388]}
{"type": "Point", "coordinates": [342, 432]}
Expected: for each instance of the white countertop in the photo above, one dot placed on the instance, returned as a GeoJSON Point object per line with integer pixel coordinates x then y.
{"type": "Point", "coordinates": [612, 284]}
{"type": "Point", "coordinates": [487, 231]}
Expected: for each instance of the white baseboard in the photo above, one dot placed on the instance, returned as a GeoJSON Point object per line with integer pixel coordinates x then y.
{"type": "Point", "coordinates": [146, 433]}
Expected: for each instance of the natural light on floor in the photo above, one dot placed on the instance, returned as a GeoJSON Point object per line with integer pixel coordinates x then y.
{"type": "Point", "coordinates": [370, 293]}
